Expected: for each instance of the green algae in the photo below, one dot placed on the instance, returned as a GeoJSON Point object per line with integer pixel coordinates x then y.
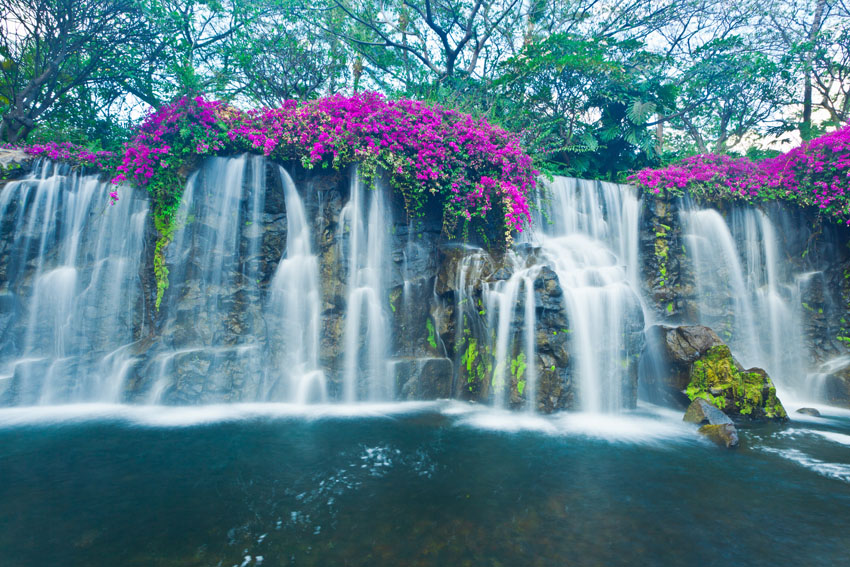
{"type": "Point", "coordinates": [715, 378]}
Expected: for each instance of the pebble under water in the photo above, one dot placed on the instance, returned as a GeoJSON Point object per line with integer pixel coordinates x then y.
{"type": "Point", "coordinates": [414, 484]}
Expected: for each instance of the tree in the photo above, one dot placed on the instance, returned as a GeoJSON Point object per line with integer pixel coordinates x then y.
{"type": "Point", "coordinates": [285, 57]}
{"type": "Point", "coordinates": [729, 90]}
{"type": "Point", "coordinates": [584, 103]}
{"type": "Point", "coordinates": [831, 74]}
{"type": "Point", "coordinates": [812, 38]}
{"type": "Point", "coordinates": [429, 39]}
{"type": "Point", "coordinates": [50, 48]}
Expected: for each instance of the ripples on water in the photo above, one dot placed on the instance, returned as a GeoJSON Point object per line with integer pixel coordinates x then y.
{"type": "Point", "coordinates": [413, 484]}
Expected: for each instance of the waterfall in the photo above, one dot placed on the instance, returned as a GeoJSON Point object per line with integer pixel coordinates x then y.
{"type": "Point", "coordinates": [588, 232]}
{"type": "Point", "coordinates": [70, 287]}
{"type": "Point", "coordinates": [747, 294]}
{"type": "Point", "coordinates": [212, 310]}
{"type": "Point", "coordinates": [294, 307]}
{"type": "Point", "coordinates": [504, 301]}
{"type": "Point", "coordinates": [248, 317]}
{"type": "Point", "coordinates": [363, 247]}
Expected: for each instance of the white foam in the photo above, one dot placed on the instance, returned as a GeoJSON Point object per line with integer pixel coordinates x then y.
{"type": "Point", "coordinates": [838, 471]}
{"type": "Point", "coordinates": [628, 427]}
{"type": "Point", "coordinates": [647, 425]}
{"type": "Point", "coordinates": [826, 412]}
{"type": "Point", "coordinates": [836, 437]}
{"type": "Point", "coordinates": [507, 421]}
{"type": "Point", "coordinates": [187, 416]}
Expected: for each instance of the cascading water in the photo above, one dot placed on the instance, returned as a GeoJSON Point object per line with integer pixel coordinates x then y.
{"type": "Point", "coordinates": [363, 240]}
{"type": "Point", "coordinates": [294, 307]}
{"type": "Point", "coordinates": [746, 294]}
{"type": "Point", "coordinates": [504, 301]}
{"type": "Point", "coordinates": [244, 316]}
{"type": "Point", "coordinates": [588, 233]}
{"type": "Point", "coordinates": [214, 252]}
{"type": "Point", "coordinates": [70, 287]}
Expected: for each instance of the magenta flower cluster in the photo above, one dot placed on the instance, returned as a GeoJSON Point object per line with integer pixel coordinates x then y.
{"type": "Point", "coordinates": [72, 153]}
{"type": "Point", "coordinates": [151, 149]}
{"type": "Point", "coordinates": [66, 151]}
{"type": "Point", "coordinates": [427, 150]}
{"type": "Point", "coordinates": [816, 174]}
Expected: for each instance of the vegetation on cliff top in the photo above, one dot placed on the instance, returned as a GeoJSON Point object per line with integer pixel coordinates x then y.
{"type": "Point", "coordinates": [594, 88]}
{"type": "Point", "coordinates": [476, 172]}
{"type": "Point", "coordinates": [475, 169]}
{"type": "Point", "coordinates": [814, 174]}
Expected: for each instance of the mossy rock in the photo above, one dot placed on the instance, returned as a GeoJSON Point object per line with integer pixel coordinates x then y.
{"type": "Point", "coordinates": [702, 412]}
{"type": "Point", "coordinates": [724, 434]}
{"type": "Point", "coordinates": [749, 394]}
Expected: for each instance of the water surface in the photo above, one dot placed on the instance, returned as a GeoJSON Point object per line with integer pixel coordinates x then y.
{"type": "Point", "coordinates": [413, 484]}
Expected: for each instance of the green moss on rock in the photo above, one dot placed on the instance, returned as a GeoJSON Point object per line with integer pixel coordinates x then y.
{"type": "Point", "coordinates": [716, 378]}
{"type": "Point", "coordinates": [723, 434]}
{"type": "Point", "coordinates": [476, 365]}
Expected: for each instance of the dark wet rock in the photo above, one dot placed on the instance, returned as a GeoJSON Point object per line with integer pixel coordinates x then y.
{"type": "Point", "coordinates": [724, 434]}
{"type": "Point", "coordinates": [715, 424]}
{"type": "Point", "coordinates": [694, 363]}
{"type": "Point", "coordinates": [665, 272]}
{"type": "Point", "coordinates": [702, 412]}
{"type": "Point", "coordinates": [674, 349]}
{"type": "Point", "coordinates": [744, 394]}
{"type": "Point", "coordinates": [809, 411]}
{"type": "Point", "coordinates": [836, 384]}
{"type": "Point", "coordinates": [423, 378]}
{"type": "Point", "coordinates": [501, 274]}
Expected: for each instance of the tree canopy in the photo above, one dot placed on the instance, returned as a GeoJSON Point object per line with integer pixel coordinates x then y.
{"type": "Point", "coordinates": [593, 87]}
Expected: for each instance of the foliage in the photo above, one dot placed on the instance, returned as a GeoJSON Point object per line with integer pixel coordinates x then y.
{"type": "Point", "coordinates": [477, 172]}
{"type": "Point", "coordinates": [72, 153]}
{"type": "Point", "coordinates": [815, 174]}
{"type": "Point", "coordinates": [730, 91]}
{"type": "Point", "coordinates": [583, 103]}
{"type": "Point", "coordinates": [594, 87]}
{"type": "Point", "coordinates": [475, 169]}
{"type": "Point", "coordinates": [51, 50]}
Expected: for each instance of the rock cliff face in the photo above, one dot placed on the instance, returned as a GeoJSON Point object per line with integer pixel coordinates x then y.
{"type": "Point", "coordinates": [773, 283]}
{"type": "Point", "coordinates": [294, 285]}
{"type": "Point", "coordinates": [214, 337]}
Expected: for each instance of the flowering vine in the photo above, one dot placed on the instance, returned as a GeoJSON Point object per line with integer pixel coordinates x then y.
{"type": "Point", "coordinates": [66, 151]}
{"type": "Point", "coordinates": [814, 174]}
{"type": "Point", "coordinates": [474, 166]}
{"type": "Point", "coordinates": [477, 171]}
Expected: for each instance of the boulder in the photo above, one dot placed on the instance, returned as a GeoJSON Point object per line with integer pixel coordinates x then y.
{"type": "Point", "coordinates": [14, 164]}
{"type": "Point", "coordinates": [690, 362]}
{"type": "Point", "coordinates": [809, 411]}
{"type": "Point", "coordinates": [702, 412]}
{"type": "Point", "coordinates": [715, 424]}
{"type": "Point", "coordinates": [723, 434]}
{"type": "Point", "coordinates": [717, 377]}
{"type": "Point", "coordinates": [837, 385]}
{"type": "Point", "coordinates": [667, 359]}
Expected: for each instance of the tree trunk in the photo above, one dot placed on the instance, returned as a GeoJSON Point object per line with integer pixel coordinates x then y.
{"type": "Point", "coordinates": [14, 129]}
{"type": "Point", "coordinates": [806, 124]}
{"type": "Point", "coordinates": [659, 136]}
